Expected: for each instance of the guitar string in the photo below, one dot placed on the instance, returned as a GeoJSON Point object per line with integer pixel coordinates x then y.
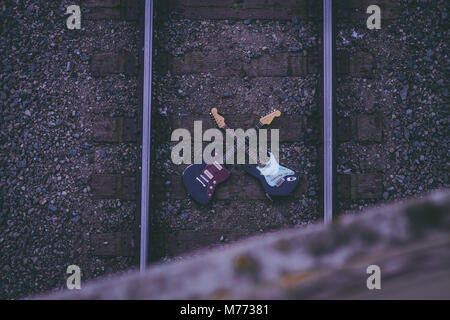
{"type": "Point", "coordinates": [251, 153]}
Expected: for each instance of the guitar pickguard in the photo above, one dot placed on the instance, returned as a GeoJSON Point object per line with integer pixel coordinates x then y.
{"type": "Point", "coordinates": [273, 172]}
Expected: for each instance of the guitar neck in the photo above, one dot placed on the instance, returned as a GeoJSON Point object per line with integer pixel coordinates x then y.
{"type": "Point", "coordinates": [252, 155]}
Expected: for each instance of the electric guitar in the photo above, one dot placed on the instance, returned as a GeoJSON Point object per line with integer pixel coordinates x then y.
{"type": "Point", "coordinates": [201, 180]}
{"type": "Point", "coordinates": [276, 180]}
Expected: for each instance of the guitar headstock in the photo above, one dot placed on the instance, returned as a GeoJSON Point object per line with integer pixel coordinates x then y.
{"type": "Point", "coordinates": [267, 119]}
{"type": "Point", "coordinates": [218, 118]}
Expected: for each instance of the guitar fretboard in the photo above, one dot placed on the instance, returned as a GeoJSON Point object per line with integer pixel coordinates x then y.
{"type": "Point", "coordinates": [250, 152]}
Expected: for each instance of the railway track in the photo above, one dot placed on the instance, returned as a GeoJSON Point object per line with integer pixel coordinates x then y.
{"type": "Point", "coordinates": [244, 79]}
{"type": "Point", "coordinates": [86, 175]}
{"type": "Point", "coordinates": [245, 58]}
{"type": "Point", "coordinates": [197, 69]}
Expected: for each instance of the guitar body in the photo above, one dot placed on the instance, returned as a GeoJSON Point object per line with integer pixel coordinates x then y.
{"type": "Point", "coordinates": [201, 180]}
{"type": "Point", "coordinates": [276, 180]}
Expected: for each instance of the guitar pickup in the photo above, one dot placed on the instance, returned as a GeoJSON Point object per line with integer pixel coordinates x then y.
{"type": "Point", "coordinates": [280, 182]}
{"type": "Point", "coordinates": [208, 174]}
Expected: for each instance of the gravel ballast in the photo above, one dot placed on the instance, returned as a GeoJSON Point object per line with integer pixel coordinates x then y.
{"type": "Point", "coordinates": [409, 91]}
{"type": "Point", "coordinates": [48, 102]}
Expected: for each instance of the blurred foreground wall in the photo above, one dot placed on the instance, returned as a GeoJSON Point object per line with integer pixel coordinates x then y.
{"type": "Point", "coordinates": [410, 242]}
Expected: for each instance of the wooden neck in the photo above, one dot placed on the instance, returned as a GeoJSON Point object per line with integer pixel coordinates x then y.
{"type": "Point", "coordinates": [251, 154]}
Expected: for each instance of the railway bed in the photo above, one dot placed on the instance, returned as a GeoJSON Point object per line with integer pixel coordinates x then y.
{"type": "Point", "coordinates": [210, 56]}
{"type": "Point", "coordinates": [246, 64]}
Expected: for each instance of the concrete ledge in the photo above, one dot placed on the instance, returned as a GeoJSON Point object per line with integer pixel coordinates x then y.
{"type": "Point", "coordinates": [408, 241]}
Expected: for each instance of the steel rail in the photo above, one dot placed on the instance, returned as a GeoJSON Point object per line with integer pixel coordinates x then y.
{"type": "Point", "coordinates": [328, 176]}
{"type": "Point", "coordinates": [146, 131]}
